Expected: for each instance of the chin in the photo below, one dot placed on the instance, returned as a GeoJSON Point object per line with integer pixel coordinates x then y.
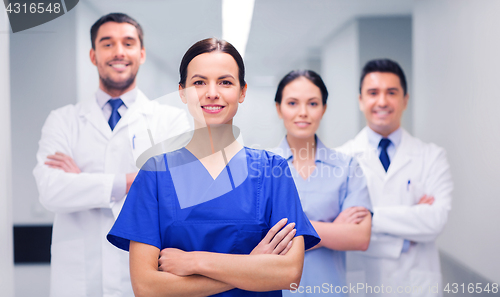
{"type": "Point", "coordinates": [302, 134]}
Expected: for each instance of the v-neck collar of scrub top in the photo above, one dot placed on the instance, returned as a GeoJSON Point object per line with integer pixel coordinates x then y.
{"type": "Point", "coordinates": [322, 154]}
{"type": "Point", "coordinates": [193, 183]}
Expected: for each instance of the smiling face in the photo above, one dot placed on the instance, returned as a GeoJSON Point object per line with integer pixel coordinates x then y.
{"type": "Point", "coordinates": [301, 108]}
{"type": "Point", "coordinates": [382, 100]}
{"type": "Point", "coordinates": [212, 89]}
{"type": "Point", "coordinates": [117, 55]}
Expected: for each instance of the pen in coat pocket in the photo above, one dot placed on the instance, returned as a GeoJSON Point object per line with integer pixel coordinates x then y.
{"type": "Point", "coordinates": [408, 186]}
{"type": "Point", "coordinates": [133, 142]}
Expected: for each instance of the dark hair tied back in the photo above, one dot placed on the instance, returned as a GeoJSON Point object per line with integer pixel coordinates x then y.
{"type": "Point", "coordinates": [293, 75]}
{"type": "Point", "coordinates": [207, 46]}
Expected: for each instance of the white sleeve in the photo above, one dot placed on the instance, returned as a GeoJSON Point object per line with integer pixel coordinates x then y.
{"type": "Point", "coordinates": [63, 192]}
{"type": "Point", "coordinates": [421, 222]}
{"type": "Point", "coordinates": [383, 246]}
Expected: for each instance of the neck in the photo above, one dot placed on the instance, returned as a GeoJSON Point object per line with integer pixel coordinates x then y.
{"type": "Point", "coordinates": [211, 139]}
{"type": "Point", "coordinates": [302, 148]}
{"type": "Point", "coordinates": [384, 131]}
{"type": "Point", "coordinates": [115, 93]}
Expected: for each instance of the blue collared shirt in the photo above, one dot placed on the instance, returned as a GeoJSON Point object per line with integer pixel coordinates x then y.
{"type": "Point", "coordinates": [103, 98]}
{"type": "Point", "coordinates": [395, 138]}
{"type": "Point", "coordinates": [336, 184]}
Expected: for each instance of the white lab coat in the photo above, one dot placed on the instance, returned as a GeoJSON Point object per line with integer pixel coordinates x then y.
{"type": "Point", "coordinates": [397, 217]}
{"type": "Point", "coordinates": [83, 262]}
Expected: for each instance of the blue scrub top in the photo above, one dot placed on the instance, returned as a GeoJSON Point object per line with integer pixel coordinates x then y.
{"type": "Point", "coordinates": [336, 184]}
{"type": "Point", "coordinates": [174, 202]}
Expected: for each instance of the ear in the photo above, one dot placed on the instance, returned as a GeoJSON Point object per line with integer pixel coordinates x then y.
{"type": "Point", "coordinates": [324, 110]}
{"type": "Point", "coordinates": [143, 55]}
{"type": "Point", "coordinates": [182, 94]}
{"type": "Point", "coordinates": [405, 99]}
{"type": "Point", "coordinates": [243, 94]}
{"type": "Point", "coordinates": [360, 102]}
{"type": "Point", "coordinates": [278, 110]}
{"type": "Point", "coordinates": [92, 56]}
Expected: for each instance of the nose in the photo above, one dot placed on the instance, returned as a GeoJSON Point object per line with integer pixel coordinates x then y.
{"type": "Point", "coordinates": [212, 92]}
{"type": "Point", "coordinates": [303, 110]}
{"type": "Point", "coordinates": [119, 51]}
{"type": "Point", "coordinates": [382, 100]}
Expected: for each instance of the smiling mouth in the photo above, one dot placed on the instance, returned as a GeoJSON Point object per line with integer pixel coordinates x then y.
{"type": "Point", "coordinates": [119, 66]}
{"type": "Point", "coordinates": [302, 124]}
{"type": "Point", "coordinates": [382, 112]}
{"type": "Point", "coordinates": [212, 108]}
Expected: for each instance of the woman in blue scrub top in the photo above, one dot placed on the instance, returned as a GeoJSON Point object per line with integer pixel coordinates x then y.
{"type": "Point", "coordinates": [331, 186]}
{"type": "Point", "coordinates": [205, 207]}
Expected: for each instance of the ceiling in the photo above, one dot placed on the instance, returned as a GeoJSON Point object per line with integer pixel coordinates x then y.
{"type": "Point", "coordinates": [285, 34]}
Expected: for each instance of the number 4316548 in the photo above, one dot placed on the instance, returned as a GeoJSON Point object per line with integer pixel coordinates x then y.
{"type": "Point", "coordinates": [471, 288]}
{"type": "Point", "coordinates": [33, 8]}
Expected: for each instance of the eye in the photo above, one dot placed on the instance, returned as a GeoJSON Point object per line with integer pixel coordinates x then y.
{"type": "Point", "coordinates": [226, 83]}
{"type": "Point", "coordinates": [198, 83]}
{"type": "Point", "coordinates": [314, 103]}
{"type": "Point", "coordinates": [291, 103]}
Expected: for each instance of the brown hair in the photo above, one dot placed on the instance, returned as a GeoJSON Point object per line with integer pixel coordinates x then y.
{"type": "Point", "coordinates": [117, 18]}
{"type": "Point", "coordinates": [207, 46]}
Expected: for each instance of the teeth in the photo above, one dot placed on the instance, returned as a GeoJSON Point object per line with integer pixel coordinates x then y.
{"type": "Point", "coordinates": [119, 65]}
{"type": "Point", "coordinates": [212, 107]}
{"type": "Point", "coordinates": [381, 112]}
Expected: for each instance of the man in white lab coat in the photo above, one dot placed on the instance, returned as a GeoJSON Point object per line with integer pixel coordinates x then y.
{"type": "Point", "coordinates": [410, 186]}
{"type": "Point", "coordinates": [87, 162]}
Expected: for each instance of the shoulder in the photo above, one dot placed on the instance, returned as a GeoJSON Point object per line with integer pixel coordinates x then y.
{"type": "Point", "coordinates": [264, 156]}
{"type": "Point", "coordinates": [155, 164]}
{"type": "Point", "coordinates": [428, 150]}
{"type": "Point", "coordinates": [63, 117]}
{"type": "Point", "coordinates": [334, 157]}
{"type": "Point", "coordinates": [356, 145]}
{"type": "Point", "coordinates": [69, 111]}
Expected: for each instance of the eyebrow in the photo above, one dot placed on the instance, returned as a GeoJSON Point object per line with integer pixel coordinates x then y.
{"type": "Point", "coordinates": [376, 89]}
{"type": "Point", "coordinates": [109, 38]}
{"type": "Point", "coordinates": [293, 98]}
{"type": "Point", "coordinates": [220, 77]}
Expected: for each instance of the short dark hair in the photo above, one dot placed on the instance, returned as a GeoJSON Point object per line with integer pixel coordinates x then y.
{"type": "Point", "coordinates": [207, 46]}
{"type": "Point", "coordinates": [293, 75]}
{"type": "Point", "coordinates": [383, 65]}
{"type": "Point", "coordinates": [116, 17]}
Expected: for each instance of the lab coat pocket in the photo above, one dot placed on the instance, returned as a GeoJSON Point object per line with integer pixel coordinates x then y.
{"type": "Point", "coordinates": [68, 269]}
{"type": "Point", "coordinates": [425, 283]}
{"type": "Point", "coordinates": [415, 192]}
{"type": "Point", "coordinates": [356, 279]}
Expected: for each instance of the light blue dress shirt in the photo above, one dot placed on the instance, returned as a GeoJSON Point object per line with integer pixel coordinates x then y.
{"type": "Point", "coordinates": [395, 138]}
{"type": "Point", "coordinates": [336, 184]}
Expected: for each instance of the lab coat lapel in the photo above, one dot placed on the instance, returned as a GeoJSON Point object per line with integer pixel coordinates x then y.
{"type": "Point", "coordinates": [91, 111]}
{"type": "Point", "coordinates": [135, 112]}
{"type": "Point", "coordinates": [403, 155]}
{"type": "Point", "coordinates": [367, 155]}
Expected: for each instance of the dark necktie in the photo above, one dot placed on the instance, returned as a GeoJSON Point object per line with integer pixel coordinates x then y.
{"type": "Point", "coordinates": [384, 157]}
{"type": "Point", "coordinates": [115, 116]}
